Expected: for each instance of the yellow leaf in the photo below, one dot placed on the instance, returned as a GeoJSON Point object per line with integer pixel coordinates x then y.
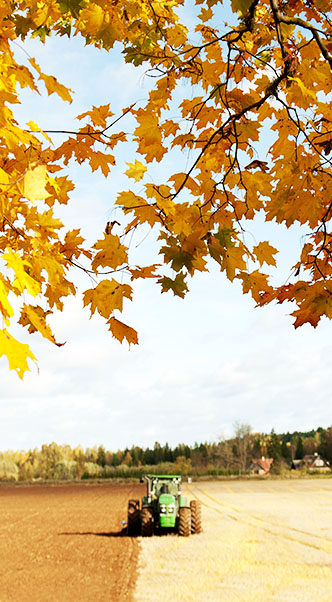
{"type": "Point", "coordinates": [136, 170]}
{"type": "Point", "coordinates": [51, 83]}
{"type": "Point", "coordinates": [305, 91]}
{"type": "Point", "coordinates": [34, 128]}
{"type": "Point", "coordinates": [148, 136]}
{"type": "Point", "coordinates": [17, 353]}
{"type": "Point", "coordinates": [111, 253]}
{"type": "Point", "coordinates": [5, 307]}
{"type": "Point", "coordinates": [107, 296]}
{"type": "Point", "coordinates": [121, 331]}
{"type": "Point", "coordinates": [143, 211]}
{"type": "Point", "coordinates": [34, 318]}
{"type": "Point", "coordinates": [4, 178]}
{"type": "Point", "coordinates": [34, 184]}
{"type": "Point", "coordinates": [22, 279]}
{"type": "Point", "coordinates": [92, 17]}
{"type": "Point", "coordinates": [233, 260]}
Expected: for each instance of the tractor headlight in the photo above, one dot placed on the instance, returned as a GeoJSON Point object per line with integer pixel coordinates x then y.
{"type": "Point", "coordinates": [163, 508]}
{"type": "Point", "coordinates": [171, 508]}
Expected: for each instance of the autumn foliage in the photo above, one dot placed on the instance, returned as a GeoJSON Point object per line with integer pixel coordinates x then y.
{"type": "Point", "coordinates": [268, 70]}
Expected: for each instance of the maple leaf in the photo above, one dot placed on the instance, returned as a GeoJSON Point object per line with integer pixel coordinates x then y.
{"type": "Point", "coordinates": [326, 146]}
{"type": "Point", "coordinates": [263, 165]}
{"type": "Point", "coordinates": [177, 286]}
{"type": "Point", "coordinates": [72, 244]}
{"type": "Point", "coordinates": [305, 316]}
{"type": "Point", "coordinates": [5, 307]}
{"type": "Point", "coordinates": [121, 331]}
{"type": "Point", "coordinates": [101, 161]}
{"type": "Point", "coordinates": [233, 261]}
{"type": "Point", "coordinates": [146, 272]}
{"type": "Point", "coordinates": [92, 18]}
{"type": "Point", "coordinates": [34, 183]}
{"type": "Point", "coordinates": [17, 353]}
{"type": "Point", "coordinates": [177, 257]}
{"type": "Point", "coordinates": [51, 83]}
{"type": "Point", "coordinates": [264, 253]}
{"type": "Point", "coordinates": [111, 253]}
{"type": "Point", "coordinates": [22, 279]}
{"type": "Point", "coordinates": [35, 128]}
{"type": "Point", "coordinates": [34, 318]}
{"type": "Point", "coordinates": [258, 285]}
{"type": "Point", "coordinates": [136, 170]}
{"type": "Point", "coordinates": [98, 115]}
{"type": "Point", "coordinates": [139, 206]}
{"type": "Point", "coordinates": [106, 297]}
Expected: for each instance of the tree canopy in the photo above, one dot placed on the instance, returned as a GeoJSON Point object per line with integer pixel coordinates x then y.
{"type": "Point", "coordinates": [268, 70]}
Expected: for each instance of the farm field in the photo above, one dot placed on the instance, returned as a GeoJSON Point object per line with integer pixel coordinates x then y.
{"type": "Point", "coordinates": [63, 543]}
{"type": "Point", "coordinates": [262, 540]}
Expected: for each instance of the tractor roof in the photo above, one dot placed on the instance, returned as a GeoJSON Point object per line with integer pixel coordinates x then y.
{"type": "Point", "coordinates": [164, 476]}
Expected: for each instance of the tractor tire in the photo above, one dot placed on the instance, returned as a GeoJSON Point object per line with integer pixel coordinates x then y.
{"type": "Point", "coordinates": [196, 516]}
{"type": "Point", "coordinates": [146, 522]}
{"type": "Point", "coordinates": [184, 522]}
{"type": "Point", "coordinates": [133, 522]}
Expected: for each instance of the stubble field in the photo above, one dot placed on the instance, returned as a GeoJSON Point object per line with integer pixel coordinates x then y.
{"type": "Point", "coordinates": [262, 540]}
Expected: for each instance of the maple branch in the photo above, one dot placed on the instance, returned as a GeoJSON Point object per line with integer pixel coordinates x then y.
{"type": "Point", "coordinates": [276, 16]}
{"type": "Point", "coordinates": [297, 123]}
{"type": "Point", "coordinates": [119, 118]}
{"type": "Point", "coordinates": [16, 230]}
{"type": "Point", "coordinates": [305, 25]}
{"type": "Point", "coordinates": [93, 272]}
{"type": "Point", "coordinates": [270, 91]}
{"type": "Point", "coordinates": [92, 133]}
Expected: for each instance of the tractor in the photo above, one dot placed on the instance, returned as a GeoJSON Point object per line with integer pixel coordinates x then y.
{"type": "Point", "coordinates": [163, 508]}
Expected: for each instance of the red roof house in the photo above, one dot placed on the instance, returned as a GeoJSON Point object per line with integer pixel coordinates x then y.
{"type": "Point", "coordinates": [260, 466]}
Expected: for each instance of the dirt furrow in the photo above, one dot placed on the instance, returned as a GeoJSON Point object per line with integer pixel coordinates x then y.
{"type": "Point", "coordinates": [66, 543]}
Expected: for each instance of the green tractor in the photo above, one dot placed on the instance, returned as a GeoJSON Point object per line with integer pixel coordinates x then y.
{"type": "Point", "coordinates": [163, 508]}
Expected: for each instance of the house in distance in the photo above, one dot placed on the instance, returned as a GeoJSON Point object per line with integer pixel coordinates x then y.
{"type": "Point", "coordinates": [313, 463]}
{"type": "Point", "coordinates": [261, 466]}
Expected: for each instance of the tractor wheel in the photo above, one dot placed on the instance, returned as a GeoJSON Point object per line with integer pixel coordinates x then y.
{"type": "Point", "coordinates": [196, 516]}
{"type": "Point", "coordinates": [133, 517]}
{"type": "Point", "coordinates": [184, 522]}
{"type": "Point", "coordinates": [146, 522]}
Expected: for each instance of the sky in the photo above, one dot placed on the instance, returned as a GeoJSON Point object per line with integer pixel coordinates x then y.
{"type": "Point", "coordinates": [202, 363]}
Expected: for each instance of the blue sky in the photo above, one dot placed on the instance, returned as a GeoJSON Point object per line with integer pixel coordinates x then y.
{"type": "Point", "coordinates": [202, 363]}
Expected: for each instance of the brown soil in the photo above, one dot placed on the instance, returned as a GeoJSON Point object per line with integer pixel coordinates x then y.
{"type": "Point", "coordinates": [66, 542]}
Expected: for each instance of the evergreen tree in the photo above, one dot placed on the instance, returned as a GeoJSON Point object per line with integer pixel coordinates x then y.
{"type": "Point", "coordinates": [299, 448]}
{"type": "Point", "coordinates": [274, 447]}
{"type": "Point", "coordinates": [101, 457]}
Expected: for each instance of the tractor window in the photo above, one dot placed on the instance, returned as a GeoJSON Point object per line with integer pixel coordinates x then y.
{"type": "Point", "coordinates": [173, 489]}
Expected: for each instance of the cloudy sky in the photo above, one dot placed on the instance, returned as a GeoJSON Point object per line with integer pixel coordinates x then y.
{"type": "Point", "coordinates": [202, 363]}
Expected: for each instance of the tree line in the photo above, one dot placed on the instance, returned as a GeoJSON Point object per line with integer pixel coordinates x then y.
{"type": "Point", "coordinates": [222, 457]}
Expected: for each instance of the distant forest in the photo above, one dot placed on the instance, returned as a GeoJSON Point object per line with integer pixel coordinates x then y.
{"type": "Point", "coordinates": [223, 457]}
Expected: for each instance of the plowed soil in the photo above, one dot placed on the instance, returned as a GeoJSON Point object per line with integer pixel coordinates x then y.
{"type": "Point", "coordinates": [61, 543]}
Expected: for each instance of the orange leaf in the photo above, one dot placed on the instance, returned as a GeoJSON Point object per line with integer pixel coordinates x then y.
{"type": "Point", "coordinates": [121, 331]}
{"type": "Point", "coordinates": [264, 253]}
